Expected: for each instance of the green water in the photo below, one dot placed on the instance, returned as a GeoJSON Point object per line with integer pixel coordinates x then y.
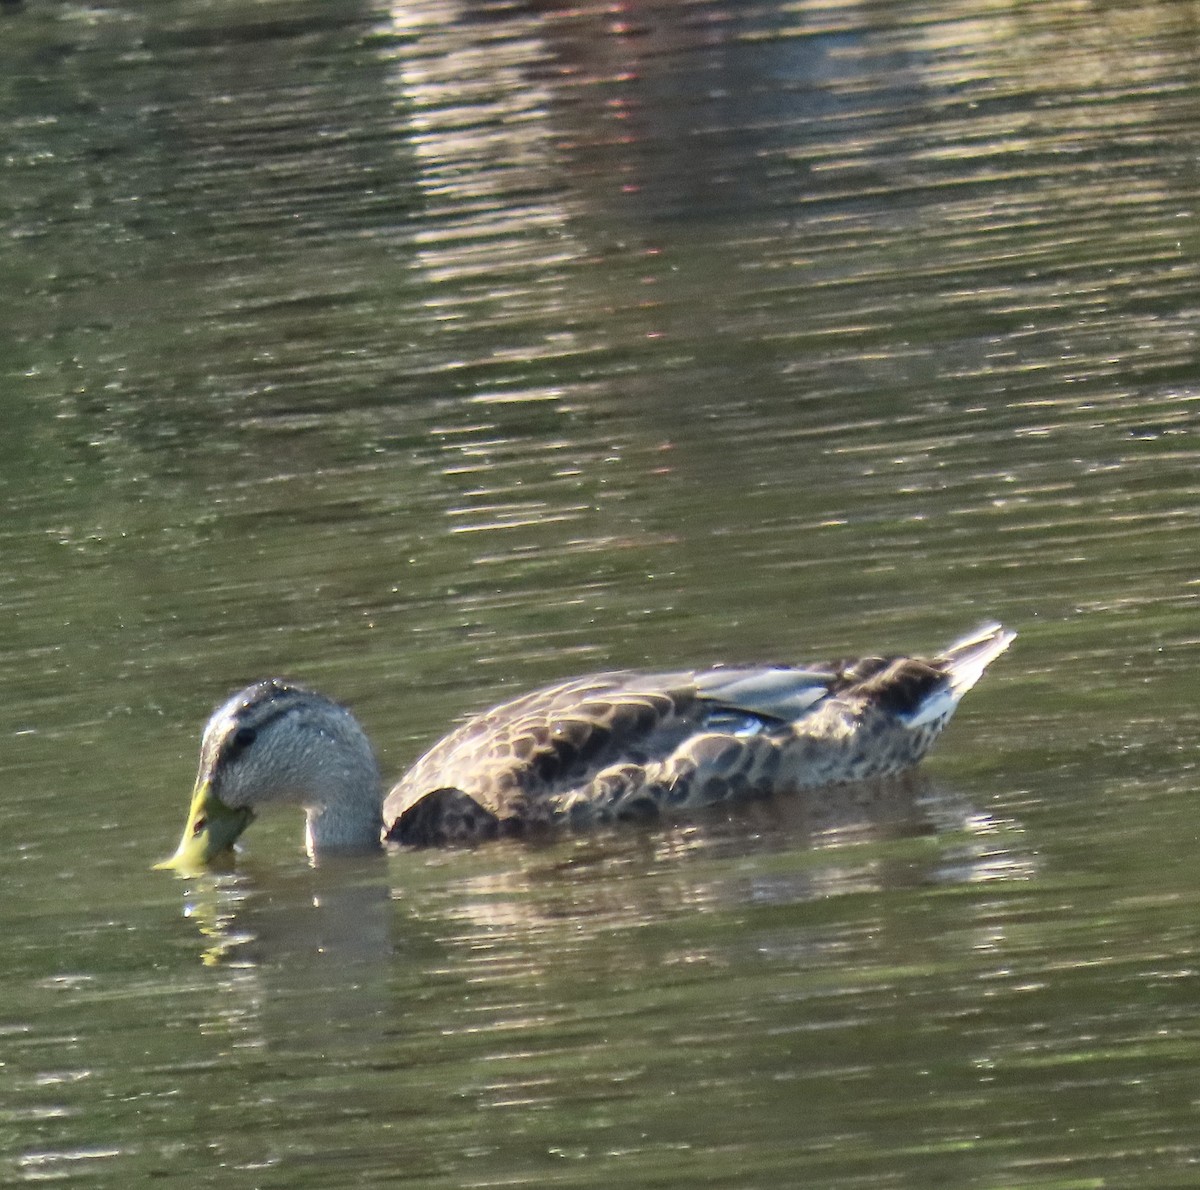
{"type": "Point", "coordinates": [430, 353]}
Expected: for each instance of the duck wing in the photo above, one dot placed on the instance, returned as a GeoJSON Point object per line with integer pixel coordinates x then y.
{"type": "Point", "coordinates": [504, 764]}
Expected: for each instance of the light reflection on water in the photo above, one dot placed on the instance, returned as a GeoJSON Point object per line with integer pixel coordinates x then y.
{"type": "Point", "coordinates": [543, 964]}
{"type": "Point", "coordinates": [431, 351]}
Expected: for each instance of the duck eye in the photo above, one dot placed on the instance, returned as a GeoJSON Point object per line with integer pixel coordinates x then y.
{"type": "Point", "coordinates": [243, 738]}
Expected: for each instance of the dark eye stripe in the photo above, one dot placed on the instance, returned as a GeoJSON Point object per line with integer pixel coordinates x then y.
{"type": "Point", "coordinates": [236, 743]}
{"type": "Point", "coordinates": [241, 739]}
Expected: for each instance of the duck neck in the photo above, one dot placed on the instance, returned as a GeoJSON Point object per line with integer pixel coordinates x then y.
{"type": "Point", "coordinates": [348, 817]}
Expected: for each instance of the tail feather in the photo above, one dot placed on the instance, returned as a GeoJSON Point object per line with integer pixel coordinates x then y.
{"type": "Point", "coordinates": [962, 664]}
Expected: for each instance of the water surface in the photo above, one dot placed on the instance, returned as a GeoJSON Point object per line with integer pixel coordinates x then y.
{"type": "Point", "coordinates": [432, 352]}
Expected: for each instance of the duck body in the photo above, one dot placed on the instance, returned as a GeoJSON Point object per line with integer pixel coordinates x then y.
{"type": "Point", "coordinates": [594, 749]}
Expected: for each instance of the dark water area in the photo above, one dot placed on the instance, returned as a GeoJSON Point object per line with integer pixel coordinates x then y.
{"type": "Point", "coordinates": [427, 353]}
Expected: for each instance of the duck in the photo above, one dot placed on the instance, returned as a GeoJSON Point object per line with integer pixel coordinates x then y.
{"type": "Point", "coordinates": [602, 748]}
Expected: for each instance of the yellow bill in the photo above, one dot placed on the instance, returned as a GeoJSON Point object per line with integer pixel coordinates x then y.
{"type": "Point", "coordinates": [212, 827]}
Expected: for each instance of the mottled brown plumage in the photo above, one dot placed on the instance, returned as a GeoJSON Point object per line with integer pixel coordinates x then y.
{"type": "Point", "coordinates": [630, 745]}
